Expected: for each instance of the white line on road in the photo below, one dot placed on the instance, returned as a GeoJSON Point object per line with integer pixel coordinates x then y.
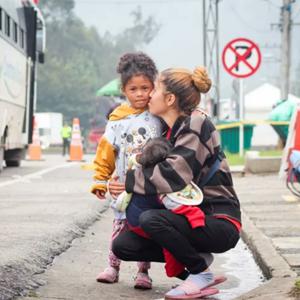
{"type": "Point", "coordinates": [26, 178]}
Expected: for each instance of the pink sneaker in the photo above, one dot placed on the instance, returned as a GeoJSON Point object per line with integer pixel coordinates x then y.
{"type": "Point", "coordinates": [109, 275]}
{"type": "Point", "coordinates": [142, 281]}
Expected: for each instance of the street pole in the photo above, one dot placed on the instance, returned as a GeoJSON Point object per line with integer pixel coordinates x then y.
{"type": "Point", "coordinates": [286, 11]}
{"type": "Point", "coordinates": [241, 106]}
{"type": "Point", "coordinates": [211, 48]}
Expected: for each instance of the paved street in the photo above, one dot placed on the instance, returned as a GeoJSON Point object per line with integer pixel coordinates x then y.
{"type": "Point", "coordinates": [44, 206]}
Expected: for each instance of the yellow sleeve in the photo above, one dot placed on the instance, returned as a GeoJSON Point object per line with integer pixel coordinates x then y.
{"type": "Point", "coordinates": [104, 164]}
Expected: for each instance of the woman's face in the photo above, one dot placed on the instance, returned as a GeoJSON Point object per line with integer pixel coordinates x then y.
{"type": "Point", "coordinates": [158, 104]}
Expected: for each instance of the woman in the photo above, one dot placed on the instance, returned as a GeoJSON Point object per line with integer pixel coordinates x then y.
{"type": "Point", "coordinates": [196, 157]}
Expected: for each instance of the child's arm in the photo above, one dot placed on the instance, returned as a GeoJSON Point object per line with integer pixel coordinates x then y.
{"type": "Point", "coordinates": [104, 166]}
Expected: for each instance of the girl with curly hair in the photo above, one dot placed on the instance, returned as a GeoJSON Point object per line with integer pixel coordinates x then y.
{"type": "Point", "coordinates": [129, 127]}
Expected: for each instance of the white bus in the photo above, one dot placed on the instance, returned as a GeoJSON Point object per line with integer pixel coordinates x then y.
{"type": "Point", "coordinates": [22, 46]}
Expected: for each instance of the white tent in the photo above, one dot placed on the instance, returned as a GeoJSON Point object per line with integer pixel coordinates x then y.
{"type": "Point", "coordinates": [258, 105]}
{"type": "Point", "coordinates": [259, 102]}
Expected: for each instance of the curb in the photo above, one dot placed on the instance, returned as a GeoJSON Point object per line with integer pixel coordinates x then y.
{"type": "Point", "coordinates": [280, 277]}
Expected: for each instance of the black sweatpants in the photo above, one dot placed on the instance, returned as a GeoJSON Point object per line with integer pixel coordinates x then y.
{"type": "Point", "coordinates": [174, 233]}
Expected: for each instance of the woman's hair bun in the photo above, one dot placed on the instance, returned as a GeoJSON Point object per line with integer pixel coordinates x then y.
{"type": "Point", "coordinates": [201, 80]}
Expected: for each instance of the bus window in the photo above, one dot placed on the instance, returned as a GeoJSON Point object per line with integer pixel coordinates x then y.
{"type": "Point", "coordinates": [7, 25]}
{"type": "Point", "coordinates": [22, 38]}
{"type": "Point", "coordinates": [41, 39]}
{"type": "Point", "coordinates": [15, 32]}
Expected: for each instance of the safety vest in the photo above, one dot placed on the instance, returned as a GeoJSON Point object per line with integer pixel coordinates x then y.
{"type": "Point", "coordinates": [66, 132]}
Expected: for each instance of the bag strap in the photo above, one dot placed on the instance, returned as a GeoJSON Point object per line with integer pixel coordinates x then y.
{"type": "Point", "coordinates": [213, 169]}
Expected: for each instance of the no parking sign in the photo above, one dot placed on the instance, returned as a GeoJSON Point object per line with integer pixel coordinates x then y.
{"type": "Point", "coordinates": [241, 58]}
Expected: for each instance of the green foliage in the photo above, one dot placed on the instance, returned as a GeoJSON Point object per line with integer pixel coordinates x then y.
{"type": "Point", "coordinates": [79, 61]}
{"type": "Point", "coordinates": [297, 284]}
{"type": "Point", "coordinates": [234, 159]}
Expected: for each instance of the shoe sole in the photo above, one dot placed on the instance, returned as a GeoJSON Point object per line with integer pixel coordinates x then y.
{"type": "Point", "coordinates": [207, 291]}
{"type": "Point", "coordinates": [203, 293]}
{"type": "Point", "coordinates": [106, 280]}
{"type": "Point", "coordinates": [142, 286]}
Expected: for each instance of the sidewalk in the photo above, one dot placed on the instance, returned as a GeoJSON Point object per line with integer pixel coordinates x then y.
{"type": "Point", "coordinates": [271, 228]}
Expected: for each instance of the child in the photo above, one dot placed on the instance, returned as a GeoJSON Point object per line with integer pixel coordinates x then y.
{"type": "Point", "coordinates": [129, 127]}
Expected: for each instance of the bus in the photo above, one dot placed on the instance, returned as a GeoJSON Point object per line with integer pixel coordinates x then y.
{"type": "Point", "coordinates": [22, 47]}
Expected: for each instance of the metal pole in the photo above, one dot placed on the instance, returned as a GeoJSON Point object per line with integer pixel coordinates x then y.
{"type": "Point", "coordinates": [204, 33]}
{"type": "Point", "coordinates": [241, 135]}
{"type": "Point", "coordinates": [286, 11]}
{"type": "Point", "coordinates": [217, 62]}
{"type": "Point", "coordinates": [211, 47]}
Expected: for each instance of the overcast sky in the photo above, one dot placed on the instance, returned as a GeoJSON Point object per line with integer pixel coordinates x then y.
{"type": "Point", "coordinates": [179, 42]}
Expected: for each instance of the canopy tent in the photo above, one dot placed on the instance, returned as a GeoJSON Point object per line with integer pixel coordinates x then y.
{"type": "Point", "coordinates": [260, 101]}
{"type": "Point", "coordinates": [259, 104]}
{"type": "Point", "coordinates": [112, 88]}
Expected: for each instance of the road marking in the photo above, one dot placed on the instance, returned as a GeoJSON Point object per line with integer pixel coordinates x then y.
{"type": "Point", "coordinates": [36, 175]}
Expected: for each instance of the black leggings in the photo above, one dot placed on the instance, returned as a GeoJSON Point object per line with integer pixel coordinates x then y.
{"type": "Point", "coordinates": [174, 233]}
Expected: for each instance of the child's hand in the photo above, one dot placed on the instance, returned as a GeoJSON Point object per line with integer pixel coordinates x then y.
{"type": "Point", "coordinates": [115, 187]}
{"type": "Point", "coordinates": [100, 194]}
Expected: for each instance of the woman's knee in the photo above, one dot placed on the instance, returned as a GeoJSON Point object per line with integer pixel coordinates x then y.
{"type": "Point", "coordinates": [149, 219]}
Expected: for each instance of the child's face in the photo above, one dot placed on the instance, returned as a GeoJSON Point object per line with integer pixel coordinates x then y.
{"type": "Point", "coordinates": [137, 91]}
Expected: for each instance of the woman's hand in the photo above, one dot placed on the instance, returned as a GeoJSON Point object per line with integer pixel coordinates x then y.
{"type": "Point", "coordinates": [100, 194]}
{"type": "Point", "coordinates": [115, 187]}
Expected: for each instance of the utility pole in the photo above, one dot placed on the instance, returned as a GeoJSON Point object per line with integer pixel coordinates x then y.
{"type": "Point", "coordinates": [211, 49]}
{"type": "Point", "coordinates": [286, 12]}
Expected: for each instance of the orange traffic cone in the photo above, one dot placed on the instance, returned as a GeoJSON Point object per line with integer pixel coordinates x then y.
{"type": "Point", "coordinates": [34, 149]}
{"type": "Point", "coordinates": [76, 151]}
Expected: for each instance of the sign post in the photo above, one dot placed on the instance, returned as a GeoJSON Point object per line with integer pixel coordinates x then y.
{"type": "Point", "coordinates": [241, 117]}
{"type": "Point", "coordinates": [241, 58]}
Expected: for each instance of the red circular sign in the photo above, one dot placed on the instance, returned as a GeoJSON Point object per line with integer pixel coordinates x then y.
{"type": "Point", "coordinates": [241, 58]}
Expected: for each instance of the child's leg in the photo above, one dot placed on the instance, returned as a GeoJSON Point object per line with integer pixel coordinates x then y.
{"type": "Point", "coordinates": [118, 227]}
{"type": "Point", "coordinates": [111, 274]}
{"type": "Point", "coordinates": [143, 266]}
{"type": "Point", "coordinates": [142, 280]}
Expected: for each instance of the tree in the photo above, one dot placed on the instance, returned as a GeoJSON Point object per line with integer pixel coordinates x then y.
{"type": "Point", "coordinates": [57, 10]}
{"type": "Point", "coordinates": [79, 60]}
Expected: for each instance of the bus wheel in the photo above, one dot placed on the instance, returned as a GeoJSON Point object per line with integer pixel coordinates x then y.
{"type": "Point", "coordinates": [1, 158]}
{"type": "Point", "coordinates": [13, 163]}
{"type": "Point", "coordinates": [2, 143]}
{"type": "Point", "coordinates": [13, 157]}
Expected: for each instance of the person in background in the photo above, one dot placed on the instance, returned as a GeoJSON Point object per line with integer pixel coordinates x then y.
{"type": "Point", "coordinates": [66, 133]}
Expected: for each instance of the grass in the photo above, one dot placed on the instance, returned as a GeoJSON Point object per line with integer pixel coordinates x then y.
{"type": "Point", "coordinates": [271, 153]}
{"type": "Point", "coordinates": [234, 159]}
{"type": "Point", "coordinates": [296, 290]}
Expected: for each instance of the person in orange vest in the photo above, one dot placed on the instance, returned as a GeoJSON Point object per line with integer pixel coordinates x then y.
{"type": "Point", "coordinates": [66, 133]}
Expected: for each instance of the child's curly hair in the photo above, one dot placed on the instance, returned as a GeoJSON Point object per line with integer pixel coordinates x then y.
{"type": "Point", "coordinates": [135, 64]}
